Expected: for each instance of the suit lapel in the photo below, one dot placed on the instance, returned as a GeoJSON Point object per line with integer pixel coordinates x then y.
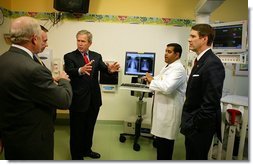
{"type": "Point", "coordinates": [201, 62]}
{"type": "Point", "coordinates": [79, 58]}
{"type": "Point", "coordinates": [196, 68]}
{"type": "Point", "coordinates": [38, 60]}
{"type": "Point", "coordinates": [91, 56]}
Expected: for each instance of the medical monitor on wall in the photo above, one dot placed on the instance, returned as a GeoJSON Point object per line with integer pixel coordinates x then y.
{"type": "Point", "coordinates": [230, 37]}
{"type": "Point", "coordinates": [137, 64]}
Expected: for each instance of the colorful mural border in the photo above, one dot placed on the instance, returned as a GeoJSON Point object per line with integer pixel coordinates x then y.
{"type": "Point", "coordinates": [101, 18]}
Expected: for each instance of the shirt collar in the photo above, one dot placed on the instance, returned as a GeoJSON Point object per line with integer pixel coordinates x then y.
{"type": "Point", "coordinates": [173, 63]}
{"type": "Point", "coordinates": [202, 53]}
{"type": "Point", "coordinates": [87, 52]}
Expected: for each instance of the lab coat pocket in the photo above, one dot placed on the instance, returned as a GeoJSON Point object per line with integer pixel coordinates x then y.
{"type": "Point", "coordinates": [166, 113]}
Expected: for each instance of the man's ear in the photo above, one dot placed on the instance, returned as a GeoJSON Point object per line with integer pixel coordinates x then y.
{"type": "Point", "coordinates": [206, 38]}
{"type": "Point", "coordinates": [34, 39]}
{"type": "Point", "coordinates": [177, 55]}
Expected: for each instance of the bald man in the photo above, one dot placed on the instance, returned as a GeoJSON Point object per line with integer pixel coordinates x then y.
{"type": "Point", "coordinates": [28, 95]}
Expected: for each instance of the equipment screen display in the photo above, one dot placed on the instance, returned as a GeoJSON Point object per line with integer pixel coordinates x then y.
{"type": "Point", "coordinates": [229, 37]}
{"type": "Point", "coordinates": [139, 63]}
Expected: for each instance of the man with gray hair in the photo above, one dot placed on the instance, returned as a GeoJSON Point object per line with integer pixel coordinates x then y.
{"type": "Point", "coordinates": [27, 96]}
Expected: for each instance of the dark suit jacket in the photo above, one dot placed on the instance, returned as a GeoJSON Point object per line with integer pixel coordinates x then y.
{"type": "Point", "coordinates": [201, 110]}
{"type": "Point", "coordinates": [86, 89]}
{"type": "Point", "coordinates": [27, 96]}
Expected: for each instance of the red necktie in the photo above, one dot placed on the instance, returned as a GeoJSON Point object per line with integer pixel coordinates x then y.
{"type": "Point", "coordinates": [195, 62]}
{"type": "Point", "coordinates": [86, 60]}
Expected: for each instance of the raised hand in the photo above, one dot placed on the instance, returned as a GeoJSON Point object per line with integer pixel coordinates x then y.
{"type": "Point", "coordinates": [113, 67]}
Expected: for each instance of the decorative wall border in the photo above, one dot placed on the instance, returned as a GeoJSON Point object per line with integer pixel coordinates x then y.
{"type": "Point", "coordinates": [101, 18]}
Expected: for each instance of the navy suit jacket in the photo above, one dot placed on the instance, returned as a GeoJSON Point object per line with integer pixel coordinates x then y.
{"type": "Point", "coordinates": [28, 96]}
{"type": "Point", "coordinates": [86, 89]}
{"type": "Point", "coordinates": [201, 110]}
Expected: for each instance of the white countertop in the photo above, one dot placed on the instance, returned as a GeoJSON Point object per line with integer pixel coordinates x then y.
{"type": "Point", "coordinates": [235, 99]}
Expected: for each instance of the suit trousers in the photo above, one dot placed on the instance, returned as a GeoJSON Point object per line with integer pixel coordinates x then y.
{"type": "Point", "coordinates": [197, 144]}
{"type": "Point", "coordinates": [81, 132]}
{"type": "Point", "coordinates": [164, 148]}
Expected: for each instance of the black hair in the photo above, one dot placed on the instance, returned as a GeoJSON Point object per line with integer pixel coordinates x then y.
{"type": "Point", "coordinates": [177, 48]}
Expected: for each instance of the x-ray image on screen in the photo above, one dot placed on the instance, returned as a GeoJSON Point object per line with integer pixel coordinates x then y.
{"type": "Point", "coordinates": [139, 63]}
{"type": "Point", "coordinates": [146, 64]}
{"type": "Point", "coordinates": [132, 64]}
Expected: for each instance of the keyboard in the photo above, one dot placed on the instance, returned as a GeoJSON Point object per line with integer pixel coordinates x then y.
{"type": "Point", "coordinates": [135, 85]}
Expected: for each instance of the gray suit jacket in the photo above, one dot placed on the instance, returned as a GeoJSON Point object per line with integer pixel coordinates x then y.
{"type": "Point", "coordinates": [27, 97]}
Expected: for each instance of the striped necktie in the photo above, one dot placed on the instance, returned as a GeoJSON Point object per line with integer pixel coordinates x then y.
{"type": "Point", "coordinates": [85, 57]}
{"type": "Point", "coordinates": [37, 59]}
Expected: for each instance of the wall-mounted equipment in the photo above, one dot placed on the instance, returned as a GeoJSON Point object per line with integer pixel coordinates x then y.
{"type": "Point", "coordinates": [72, 6]}
{"type": "Point", "coordinates": [108, 78]}
{"type": "Point", "coordinates": [109, 81]}
{"type": "Point", "coordinates": [230, 42]}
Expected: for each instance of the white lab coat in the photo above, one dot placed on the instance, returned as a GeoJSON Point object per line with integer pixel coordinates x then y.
{"type": "Point", "coordinates": [169, 87]}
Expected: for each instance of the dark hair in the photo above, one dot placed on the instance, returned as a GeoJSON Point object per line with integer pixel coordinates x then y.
{"type": "Point", "coordinates": [43, 28]}
{"type": "Point", "coordinates": [205, 30]}
{"type": "Point", "coordinates": [177, 48]}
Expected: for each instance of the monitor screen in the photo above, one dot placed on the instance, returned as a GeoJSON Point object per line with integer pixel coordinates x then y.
{"type": "Point", "coordinates": [230, 37]}
{"type": "Point", "coordinates": [138, 64]}
{"type": "Point", "coordinates": [72, 6]}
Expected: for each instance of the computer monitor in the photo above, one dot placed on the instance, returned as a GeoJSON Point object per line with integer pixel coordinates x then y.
{"type": "Point", "coordinates": [230, 37]}
{"type": "Point", "coordinates": [137, 64]}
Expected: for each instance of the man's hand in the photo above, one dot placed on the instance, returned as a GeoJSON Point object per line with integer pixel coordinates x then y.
{"type": "Point", "coordinates": [113, 67]}
{"type": "Point", "coordinates": [62, 75]}
{"type": "Point", "coordinates": [148, 78]}
{"type": "Point", "coordinates": [87, 68]}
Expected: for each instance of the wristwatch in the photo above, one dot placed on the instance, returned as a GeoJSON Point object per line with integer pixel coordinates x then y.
{"type": "Point", "coordinates": [1, 16]}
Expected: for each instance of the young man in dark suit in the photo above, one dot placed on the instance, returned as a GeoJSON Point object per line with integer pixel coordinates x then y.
{"type": "Point", "coordinates": [28, 96]}
{"type": "Point", "coordinates": [201, 117]}
{"type": "Point", "coordinates": [83, 66]}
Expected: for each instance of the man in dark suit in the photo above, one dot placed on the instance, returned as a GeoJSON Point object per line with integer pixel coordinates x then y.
{"type": "Point", "coordinates": [38, 60]}
{"type": "Point", "coordinates": [83, 66]}
{"type": "Point", "coordinates": [43, 46]}
{"type": "Point", "coordinates": [201, 117]}
{"type": "Point", "coordinates": [27, 95]}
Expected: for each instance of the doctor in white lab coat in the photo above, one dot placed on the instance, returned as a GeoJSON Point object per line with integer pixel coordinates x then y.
{"type": "Point", "coordinates": [169, 87]}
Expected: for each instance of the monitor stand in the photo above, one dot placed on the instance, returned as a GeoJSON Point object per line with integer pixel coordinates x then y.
{"type": "Point", "coordinates": [140, 111]}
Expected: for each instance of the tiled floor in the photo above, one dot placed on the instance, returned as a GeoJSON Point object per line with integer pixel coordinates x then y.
{"type": "Point", "coordinates": [106, 142]}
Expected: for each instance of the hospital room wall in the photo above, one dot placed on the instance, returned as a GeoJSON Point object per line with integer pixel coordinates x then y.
{"type": "Point", "coordinates": [112, 40]}
{"type": "Point", "coordinates": [228, 11]}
